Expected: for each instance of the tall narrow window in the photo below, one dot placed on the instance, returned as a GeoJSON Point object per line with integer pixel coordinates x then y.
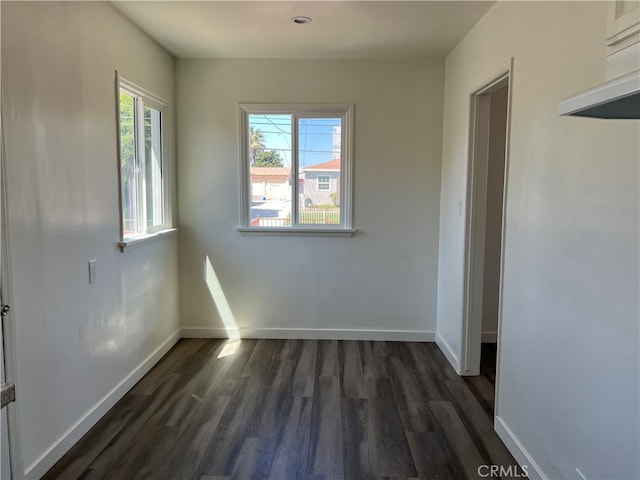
{"type": "Point", "coordinates": [296, 162]}
{"type": "Point", "coordinates": [142, 171]}
{"type": "Point", "coordinates": [154, 203]}
{"type": "Point", "coordinates": [128, 162]}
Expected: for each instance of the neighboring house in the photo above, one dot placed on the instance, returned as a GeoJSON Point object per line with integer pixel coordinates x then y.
{"type": "Point", "coordinates": [270, 183]}
{"type": "Point", "coordinates": [320, 183]}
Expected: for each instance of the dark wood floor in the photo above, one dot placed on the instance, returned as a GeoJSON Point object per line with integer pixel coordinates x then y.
{"type": "Point", "coordinates": [483, 386]}
{"type": "Point", "coordinates": [292, 409]}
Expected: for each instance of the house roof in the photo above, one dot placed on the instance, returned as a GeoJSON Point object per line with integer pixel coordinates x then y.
{"type": "Point", "coordinates": [270, 171]}
{"type": "Point", "coordinates": [330, 165]}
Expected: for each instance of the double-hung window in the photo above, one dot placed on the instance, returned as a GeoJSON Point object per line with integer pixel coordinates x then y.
{"type": "Point", "coordinates": [296, 166]}
{"type": "Point", "coordinates": [324, 183]}
{"type": "Point", "coordinates": [144, 202]}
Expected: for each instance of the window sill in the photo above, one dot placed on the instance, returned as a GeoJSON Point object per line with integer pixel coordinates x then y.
{"type": "Point", "coordinates": [135, 242]}
{"type": "Point", "coordinates": [297, 232]}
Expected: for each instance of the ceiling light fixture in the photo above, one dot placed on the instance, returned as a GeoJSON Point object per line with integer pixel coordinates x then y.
{"type": "Point", "coordinates": [301, 20]}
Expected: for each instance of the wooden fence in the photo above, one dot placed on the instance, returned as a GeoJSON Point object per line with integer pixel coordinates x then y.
{"type": "Point", "coordinates": [307, 216]}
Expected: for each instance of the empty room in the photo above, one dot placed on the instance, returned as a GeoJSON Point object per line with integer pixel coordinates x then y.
{"type": "Point", "coordinates": [320, 240]}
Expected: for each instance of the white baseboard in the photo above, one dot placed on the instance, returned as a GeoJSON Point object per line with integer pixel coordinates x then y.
{"type": "Point", "coordinates": [489, 337]}
{"type": "Point", "coordinates": [448, 352]}
{"type": "Point", "coordinates": [48, 459]}
{"type": "Point", "coordinates": [517, 449]}
{"type": "Point", "coordinates": [313, 334]}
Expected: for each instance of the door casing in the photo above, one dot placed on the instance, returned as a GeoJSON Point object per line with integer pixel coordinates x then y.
{"type": "Point", "coordinates": [475, 222]}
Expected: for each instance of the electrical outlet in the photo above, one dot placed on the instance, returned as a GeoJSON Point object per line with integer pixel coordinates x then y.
{"type": "Point", "coordinates": [93, 274]}
{"type": "Point", "coordinates": [582, 475]}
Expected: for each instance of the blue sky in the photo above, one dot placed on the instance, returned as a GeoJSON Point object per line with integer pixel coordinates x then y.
{"type": "Point", "coordinates": [315, 137]}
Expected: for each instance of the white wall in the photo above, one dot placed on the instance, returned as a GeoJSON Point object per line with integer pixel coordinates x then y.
{"type": "Point", "coordinates": [75, 342]}
{"type": "Point", "coordinates": [381, 283]}
{"type": "Point", "coordinates": [569, 373]}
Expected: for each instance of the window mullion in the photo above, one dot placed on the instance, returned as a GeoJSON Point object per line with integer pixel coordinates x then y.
{"type": "Point", "coordinates": [295, 174]}
{"type": "Point", "coordinates": [142, 187]}
{"type": "Point", "coordinates": [344, 175]}
{"type": "Point", "coordinates": [346, 169]}
{"type": "Point", "coordinates": [165, 175]}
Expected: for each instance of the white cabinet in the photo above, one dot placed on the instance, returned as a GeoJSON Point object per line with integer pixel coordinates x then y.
{"type": "Point", "coordinates": [623, 24]}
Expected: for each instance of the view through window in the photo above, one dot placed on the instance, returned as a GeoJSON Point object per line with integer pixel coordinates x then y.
{"type": "Point", "coordinates": [294, 156]}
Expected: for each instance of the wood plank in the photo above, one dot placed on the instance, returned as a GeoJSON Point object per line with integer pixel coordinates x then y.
{"type": "Point", "coordinates": [479, 425]}
{"type": "Point", "coordinates": [126, 438]}
{"type": "Point", "coordinates": [263, 359]}
{"type": "Point", "coordinates": [351, 371]}
{"type": "Point", "coordinates": [458, 437]}
{"type": "Point", "coordinates": [401, 351]}
{"type": "Point", "coordinates": [102, 474]}
{"type": "Point", "coordinates": [90, 446]}
{"type": "Point", "coordinates": [276, 405]}
{"type": "Point", "coordinates": [325, 447]}
{"type": "Point", "coordinates": [231, 358]}
{"type": "Point", "coordinates": [194, 442]}
{"type": "Point", "coordinates": [221, 455]}
{"type": "Point", "coordinates": [254, 459]}
{"type": "Point", "coordinates": [151, 446]}
{"type": "Point", "coordinates": [172, 362]}
{"type": "Point", "coordinates": [305, 367]}
{"type": "Point", "coordinates": [373, 365]}
{"type": "Point", "coordinates": [327, 364]}
{"type": "Point", "coordinates": [291, 449]}
{"type": "Point", "coordinates": [359, 456]}
{"type": "Point", "coordinates": [239, 421]}
{"type": "Point", "coordinates": [438, 365]}
{"type": "Point", "coordinates": [432, 456]}
{"type": "Point", "coordinates": [412, 397]}
{"type": "Point", "coordinates": [386, 434]}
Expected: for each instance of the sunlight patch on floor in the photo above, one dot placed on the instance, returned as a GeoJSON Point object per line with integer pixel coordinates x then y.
{"type": "Point", "coordinates": [230, 348]}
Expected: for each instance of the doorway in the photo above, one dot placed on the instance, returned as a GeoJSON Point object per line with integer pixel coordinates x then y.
{"type": "Point", "coordinates": [486, 188]}
{"type": "Point", "coordinates": [9, 451]}
{"type": "Point", "coordinates": [7, 389]}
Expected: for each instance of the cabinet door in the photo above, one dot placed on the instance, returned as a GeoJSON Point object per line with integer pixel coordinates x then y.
{"type": "Point", "coordinates": [623, 24]}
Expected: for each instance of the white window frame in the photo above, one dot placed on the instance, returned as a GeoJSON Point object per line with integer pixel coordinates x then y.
{"type": "Point", "coordinates": [326, 181]}
{"type": "Point", "coordinates": [143, 98]}
{"type": "Point", "coordinates": [342, 111]}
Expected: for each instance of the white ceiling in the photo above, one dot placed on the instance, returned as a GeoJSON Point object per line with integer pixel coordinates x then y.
{"type": "Point", "coordinates": [340, 29]}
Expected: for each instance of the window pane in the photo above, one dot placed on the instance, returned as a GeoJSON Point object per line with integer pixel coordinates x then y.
{"type": "Point", "coordinates": [153, 167]}
{"type": "Point", "coordinates": [319, 157]}
{"type": "Point", "coordinates": [128, 164]}
{"type": "Point", "coordinates": [269, 147]}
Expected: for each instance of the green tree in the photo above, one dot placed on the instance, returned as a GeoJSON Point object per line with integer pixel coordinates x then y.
{"type": "Point", "coordinates": [270, 158]}
{"type": "Point", "coordinates": [127, 161]}
{"type": "Point", "coordinates": [127, 137]}
{"type": "Point", "coordinates": [256, 143]}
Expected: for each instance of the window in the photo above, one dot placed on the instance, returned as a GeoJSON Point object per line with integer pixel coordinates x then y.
{"type": "Point", "coordinates": [324, 183]}
{"type": "Point", "coordinates": [143, 179]}
{"type": "Point", "coordinates": [296, 166]}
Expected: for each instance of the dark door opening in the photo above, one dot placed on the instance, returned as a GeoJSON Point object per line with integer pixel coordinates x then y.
{"type": "Point", "coordinates": [492, 175]}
